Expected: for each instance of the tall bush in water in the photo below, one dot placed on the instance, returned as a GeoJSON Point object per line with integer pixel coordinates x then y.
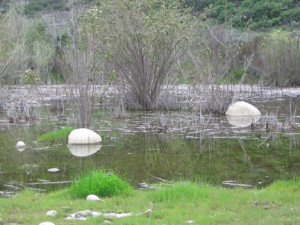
{"type": "Point", "coordinates": [82, 62]}
{"type": "Point", "coordinates": [145, 38]}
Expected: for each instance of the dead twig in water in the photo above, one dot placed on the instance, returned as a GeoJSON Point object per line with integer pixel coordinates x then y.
{"type": "Point", "coordinates": [270, 135]}
{"type": "Point", "coordinates": [49, 182]}
{"type": "Point", "coordinates": [158, 178]}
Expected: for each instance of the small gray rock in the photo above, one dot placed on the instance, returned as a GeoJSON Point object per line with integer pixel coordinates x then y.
{"type": "Point", "coordinates": [83, 213]}
{"type": "Point", "coordinates": [51, 213]}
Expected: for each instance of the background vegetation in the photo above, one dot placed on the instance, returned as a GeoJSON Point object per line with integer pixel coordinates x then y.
{"type": "Point", "coordinates": [141, 46]}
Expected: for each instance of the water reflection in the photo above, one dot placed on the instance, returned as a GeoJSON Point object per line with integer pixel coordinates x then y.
{"type": "Point", "coordinates": [242, 121]}
{"type": "Point", "coordinates": [21, 149]}
{"type": "Point", "coordinates": [84, 150]}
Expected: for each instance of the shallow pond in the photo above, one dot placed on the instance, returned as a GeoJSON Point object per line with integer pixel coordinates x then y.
{"type": "Point", "coordinates": [154, 146]}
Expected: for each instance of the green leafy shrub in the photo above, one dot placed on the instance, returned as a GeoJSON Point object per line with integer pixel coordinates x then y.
{"type": "Point", "coordinates": [259, 14]}
{"type": "Point", "coordinates": [101, 184]}
{"type": "Point", "coordinates": [59, 136]}
{"type": "Point", "coordinates": [56, 77]}
{"type": "Point", "coordinates": [36, 5]}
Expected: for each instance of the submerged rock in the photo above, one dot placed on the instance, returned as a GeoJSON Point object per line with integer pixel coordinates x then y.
{"type": "Point", "coordinates": [84, 150]}
{"type": "Point", "coordinates": [242, 108]}
{"type": "Point", "coordinates": [242, 121]}
{"type": "Point", "coordinates": [83, 136]}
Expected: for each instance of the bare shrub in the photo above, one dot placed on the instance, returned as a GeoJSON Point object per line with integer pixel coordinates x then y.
{"type": "Point", "coordinates": [218, 100]}
{"type": "Point", "coordinates": [146, 39]}
{"type": "Point", "coordinates": [12, 51]}
{"type": "Point", "coordinates": [217, 51]}
{"type": "Point", "coordinates": [213, 56]}
{"type": "Point", "coordinates": [82, 62]}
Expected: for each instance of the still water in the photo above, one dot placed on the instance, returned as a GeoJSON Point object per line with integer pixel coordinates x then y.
{"type": "Point", "coordinates": [171, 146]}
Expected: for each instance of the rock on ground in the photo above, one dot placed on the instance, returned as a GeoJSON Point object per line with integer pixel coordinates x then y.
{"type": "Point", "coordinates": [46, 223]}
{"type": "Point", "coordinates": [93, 198]}
{"type": "Point", "coordinates": [51, 213]}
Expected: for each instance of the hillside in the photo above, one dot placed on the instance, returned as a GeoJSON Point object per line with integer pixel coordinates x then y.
{"type": "Point", "coordinates": [253, 14]}
{"type": "Point", "coordinates": [226, 41]}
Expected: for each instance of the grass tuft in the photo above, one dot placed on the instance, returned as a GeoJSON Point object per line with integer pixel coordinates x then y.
{"type": "Point", "coordinates": [183, 191]}
{"type": "Point", "coordinates": [100, 184]}
{"type": "Point", "coordinates": [285, 186]}
{"type": "Point", "coordinates": [59, 136]}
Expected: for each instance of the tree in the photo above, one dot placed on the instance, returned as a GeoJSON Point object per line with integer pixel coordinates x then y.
{"type": "Point", "coordinates": [12, 51]}
{"type": "Point", "coordinates": [145, 39]}
{"type": "Point", "coordinates": [40, 48]}
{"type": "Point", "coordinates": [82, 62]}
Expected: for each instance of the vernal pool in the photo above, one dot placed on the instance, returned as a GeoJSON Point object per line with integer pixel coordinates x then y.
{"type": "Point", "coordinates": [147, 147]}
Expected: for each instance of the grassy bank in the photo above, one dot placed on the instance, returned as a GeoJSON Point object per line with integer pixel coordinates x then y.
{"type": "Point", "coordinates": [172, 204]}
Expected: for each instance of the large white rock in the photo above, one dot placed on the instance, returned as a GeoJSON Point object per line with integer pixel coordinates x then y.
{"type": "Point", "coordinates": [84, 150]}
{"type": "Point", "coordinates": [242, 108]}
{"type": "Point", "coordinates": [84, 136]}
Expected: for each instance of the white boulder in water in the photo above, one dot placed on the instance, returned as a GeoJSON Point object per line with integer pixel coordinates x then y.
{"type": "Point", "coordinates": [242, 114]}
{"type": "Point", "coordinates": [83, 136]}
{"type": "Point", "coordinates": [20, 144]}
{"type": "Point", "coordinates": [242, 108]}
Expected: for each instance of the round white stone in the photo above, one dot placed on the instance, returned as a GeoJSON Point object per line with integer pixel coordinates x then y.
{"type": "Point", "coordinates": [242, 108]}
{"type": "Point", "coordinates": [51, 213]}
{"type": "Point", "coordinates": [84, 136]}
{"type": "Point", "coordinates": [92, 198]}
{"type": "Point", "coordinates": [20, 144]}
{"type": "Point", "coordinates": [46, 223]}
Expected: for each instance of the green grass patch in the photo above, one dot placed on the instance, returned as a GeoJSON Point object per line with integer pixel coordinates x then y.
{"type": "Point", "coordinates": [101, 184]}
{"type": "Point", "coordinates": [172, 204]}
{"type": "Point", "coordinates": [59, 136]}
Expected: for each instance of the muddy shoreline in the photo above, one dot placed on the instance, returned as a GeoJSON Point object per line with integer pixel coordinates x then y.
{"type": "Point", "coordinates": [33, 96]}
